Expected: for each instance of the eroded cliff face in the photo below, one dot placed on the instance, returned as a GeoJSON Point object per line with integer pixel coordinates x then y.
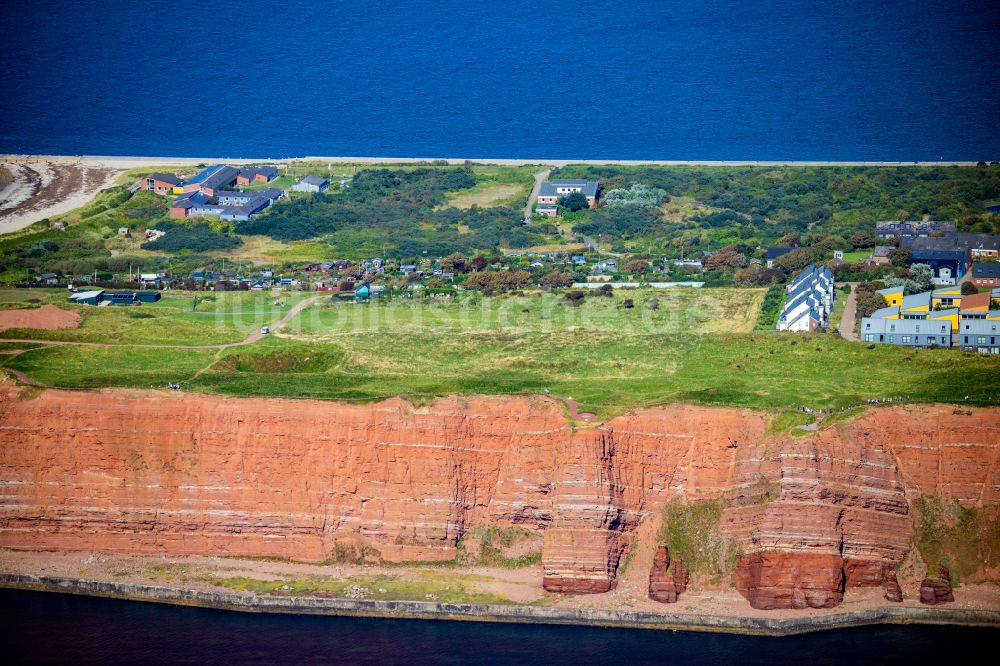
{"type": "Point", "coordinates": [151, 472]}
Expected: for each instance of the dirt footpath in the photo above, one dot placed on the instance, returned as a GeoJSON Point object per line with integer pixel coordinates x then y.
{"type": "Point", "coordinates": [43, 189]}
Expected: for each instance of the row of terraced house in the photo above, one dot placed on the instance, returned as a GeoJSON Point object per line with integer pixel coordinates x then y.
{"type": "Point", "coordinates": [943, 317]}
{"type": "Point", "coordinates": [809, 299]}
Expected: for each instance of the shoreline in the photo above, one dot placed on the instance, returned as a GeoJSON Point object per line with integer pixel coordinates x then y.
{"type": "Point", "coordinates": [135, 161]}
{"type": "Point", "coordinates": [428, 610]}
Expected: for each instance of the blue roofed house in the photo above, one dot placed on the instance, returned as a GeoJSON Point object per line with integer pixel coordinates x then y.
{"type": "Point", "coordinates": [986, 275]}
{"type": "Point", "coordinates": [951, 255]}
{"type": "Point", "coordinates": [775, 252]}
{"type": "Point", "coordinates": [808, 301]}
{"type": "Point", "coordinates": [216, 177]}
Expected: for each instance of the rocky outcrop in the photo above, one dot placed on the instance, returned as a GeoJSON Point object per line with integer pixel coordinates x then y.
{"type": "Point", "coordinates": [893, 592]}
{"type": "Point", "coordinates": [936, 591]}
{"type": "Point", "coordinates": [791, 580]}
{"type": "Point", "coordinates": [667, 582]}
{"type": "Point", "coordinates": [154, 472]}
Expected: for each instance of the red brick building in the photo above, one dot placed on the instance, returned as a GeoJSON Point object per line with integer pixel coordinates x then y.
{"type": "Point", "coordinates": [161, 183]}
{"type": "Point", "coordinates": [986, 275]}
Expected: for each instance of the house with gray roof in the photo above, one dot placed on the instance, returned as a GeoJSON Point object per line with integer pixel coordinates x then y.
{"type": "Point", "coordinates": [981, 335]}
{"type": "Point", "coordinates": [913, 228]}
{"type": "Point", "coordinates": [161, 183]}
{"type": "Point", "coordinates": [954, 251]}
{"type": "Point", "coordinates": [262, 174]}
{"type": "Point", "coordinates": [311, 184]}
{"type": "Point", "coordinates": [232, 205]}
{"type": "Point", "coordinates": [906, 332]}
{"type": "Point", "coordinates": [552, 190]}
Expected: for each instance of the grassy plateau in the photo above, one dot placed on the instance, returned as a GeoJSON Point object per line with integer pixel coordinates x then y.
{"type": "Point", "coordinates": [694, 346]}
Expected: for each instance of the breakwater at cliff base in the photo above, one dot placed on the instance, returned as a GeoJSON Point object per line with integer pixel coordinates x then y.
{"type": "Point", "coordinates": [503, 613]}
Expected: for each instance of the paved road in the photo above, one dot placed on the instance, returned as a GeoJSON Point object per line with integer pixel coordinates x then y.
{"type": "Point", "coordinates": [540, 178]}
{"type": "Point", "coordinates": [847, 322]}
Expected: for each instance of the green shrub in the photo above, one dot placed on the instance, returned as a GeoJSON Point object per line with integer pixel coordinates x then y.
{"type": "Point", "coordinates": [692, 532]}
{"type": "Point", "coordinates": [196, 237]}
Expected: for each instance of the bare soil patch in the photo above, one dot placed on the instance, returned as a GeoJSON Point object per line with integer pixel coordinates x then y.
{"type": "Point", "coordinates": [486, 196]}
{"type": "Point", "coordinates": [47, 317]}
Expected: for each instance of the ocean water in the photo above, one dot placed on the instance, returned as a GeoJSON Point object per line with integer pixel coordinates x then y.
{"type": "Point", "coordinates": [55, 628]}
{"type": "Point", "coordinates": [646, 79]}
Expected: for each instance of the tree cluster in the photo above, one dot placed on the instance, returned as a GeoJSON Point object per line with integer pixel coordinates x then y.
{"type": "Point", "coordinates": [196, 237]}
{"type": "Point", "coordinates": [639, 195]}
{"type": "Point", "coordinates": [498, 281]}
{"type": "Point", "coordinates": [867, 300]}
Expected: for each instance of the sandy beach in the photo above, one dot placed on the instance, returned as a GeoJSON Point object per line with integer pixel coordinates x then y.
{"type": "Point", "coordinates": [132, 162]}
{"type": "Point", "coordinates": [44, 188]}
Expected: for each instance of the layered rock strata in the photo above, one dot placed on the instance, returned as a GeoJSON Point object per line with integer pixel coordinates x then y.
{"type": "Point", "coordinates": [150, 472]}
{"type": "Point", "coordinates": [936, 591]}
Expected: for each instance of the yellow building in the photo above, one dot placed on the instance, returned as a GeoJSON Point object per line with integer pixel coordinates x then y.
{"type": "Point", "coordinates": [952, 316]}
{"type": "Point", "coordinates": [892, 295]}
{"type": "Point", "coordinates": [947, 297]}
{"type": "Point", "coordinates": [916, 304]}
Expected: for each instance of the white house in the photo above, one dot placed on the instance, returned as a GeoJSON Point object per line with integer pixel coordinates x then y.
{"type": "Point", "coordinates": [808, 301]}
{"type": "Point", "coordinates": [311, 184]}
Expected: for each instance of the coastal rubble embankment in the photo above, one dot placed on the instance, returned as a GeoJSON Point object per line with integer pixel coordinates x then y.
{"type": "Point", "coordinates": [672, 621]}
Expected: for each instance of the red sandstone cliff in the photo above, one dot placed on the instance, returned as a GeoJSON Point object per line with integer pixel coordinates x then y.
{"type": "Point", "coordinates": [153, 472]}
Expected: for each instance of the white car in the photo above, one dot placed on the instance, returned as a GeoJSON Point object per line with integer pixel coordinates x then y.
{"type": "Point", "coordinates": [264, 330]}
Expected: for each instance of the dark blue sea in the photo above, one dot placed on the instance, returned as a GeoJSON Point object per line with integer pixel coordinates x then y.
{"type": "Point", "coordinates": [645, 79]}
{"type": "Point", "coordinates": [63, 629]}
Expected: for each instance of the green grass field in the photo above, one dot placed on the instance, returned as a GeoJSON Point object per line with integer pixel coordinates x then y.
{"type": "Point", "coordinates": [678, 310]}
{"type": "Point", "coordinates": [697, 347]}
{"type": "Point", "coordinates": [218, 318]}
{"type": "Point", "coordinates": [857, 255]}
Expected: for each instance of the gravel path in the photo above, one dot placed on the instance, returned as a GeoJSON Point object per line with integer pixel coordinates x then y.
{"type": "Point", "coordinates": [539, 179]}
{"type": "Point", "coordinates": [847, 322]}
